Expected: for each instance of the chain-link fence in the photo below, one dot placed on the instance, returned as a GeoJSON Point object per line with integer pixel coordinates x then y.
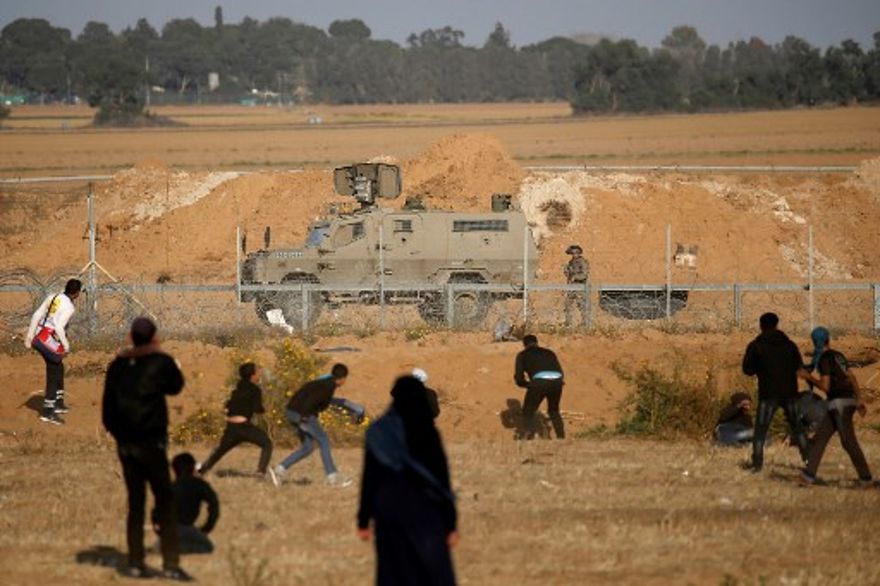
{"type": "Point", "coordinates": [671, 290]}
{"type": "Point", "coordinates": [198, 309]}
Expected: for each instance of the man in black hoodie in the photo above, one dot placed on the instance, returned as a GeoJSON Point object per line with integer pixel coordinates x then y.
{"type": "Point", "coordinates": [136, 415]}
{"type": "Point", "coordinates": [245, 401]}
{"type": "Point", "coordinates": [778, 363]}
{"type": "Point", "coordinates": [538, 370]}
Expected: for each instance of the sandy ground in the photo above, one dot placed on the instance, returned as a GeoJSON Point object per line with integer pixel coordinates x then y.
{"type": "Point", "coordinates": [582, 511]}
{"type": "Point", "coordinates": [602, 512]}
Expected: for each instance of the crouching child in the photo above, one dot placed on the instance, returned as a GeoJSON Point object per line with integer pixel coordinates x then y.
{"type": "Point", "coordinates": [190, 492]}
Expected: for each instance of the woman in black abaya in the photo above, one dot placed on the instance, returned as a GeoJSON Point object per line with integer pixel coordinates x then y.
{"type": "Point", "coordinates": [405, 492]}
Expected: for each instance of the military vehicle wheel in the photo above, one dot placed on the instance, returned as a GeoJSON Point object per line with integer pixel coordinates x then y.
{"type": "Point", "coordinates": [291, 306]}
{"type": "Point", "coordinates": [469, 309]}
{"type": "Point", "coordinates": [262, 305]}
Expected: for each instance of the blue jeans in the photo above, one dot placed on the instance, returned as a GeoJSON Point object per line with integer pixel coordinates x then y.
{"type": "Point", "coordinates": [310, 431]}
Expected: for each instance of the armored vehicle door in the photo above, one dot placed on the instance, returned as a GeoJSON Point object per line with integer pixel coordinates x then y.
{"type": "Point", "coordinates": [344, 254]}
{"type": "Point", "coordinates": [405, 257]}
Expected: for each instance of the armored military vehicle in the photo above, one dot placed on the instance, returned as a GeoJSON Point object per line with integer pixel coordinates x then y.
{"type": "Point", "coordinates": [373, 253]}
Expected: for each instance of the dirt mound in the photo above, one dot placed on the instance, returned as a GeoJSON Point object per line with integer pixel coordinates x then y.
{"type": "Point", "coordinates": [155, 221]}
{"type": "Point", "coordinates": [461, 172]}
{"type": "Point", "coordinates": [867, 175]}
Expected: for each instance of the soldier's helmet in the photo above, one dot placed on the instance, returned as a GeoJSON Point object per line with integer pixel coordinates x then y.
{"type": "Point", "coordinates": [574, 249]}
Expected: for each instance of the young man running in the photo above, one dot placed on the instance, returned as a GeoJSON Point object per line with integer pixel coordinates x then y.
{"type": "Point", "coordinates": [245, 401]}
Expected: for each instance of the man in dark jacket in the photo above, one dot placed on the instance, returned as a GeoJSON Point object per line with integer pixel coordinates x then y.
{"type": "Point", "coordinates": [778, 363]}
{"type": "Point", "coordinates": [190, 492]}
{"type": "Point", "coordinates": [136, 415]}
{"type": "Point", "coordinates": [303, 410]}
{"type": "Point", "coordinates": [539, 372]}
{"type": "Point", "coordinates": [245, 401]}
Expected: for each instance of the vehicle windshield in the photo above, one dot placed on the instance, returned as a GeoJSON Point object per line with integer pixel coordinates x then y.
{"type": "Point", "coordinates": [317, 233]}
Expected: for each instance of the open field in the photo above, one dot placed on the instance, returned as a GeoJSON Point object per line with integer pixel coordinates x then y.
{"type": "Point", "coordinates": [267, 138]}
{"type": "Point", "coordinates": [581, 511]}
{"type": "Point", "coordinates": [587, 510]}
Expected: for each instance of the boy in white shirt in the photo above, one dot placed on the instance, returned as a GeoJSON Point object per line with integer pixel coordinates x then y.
{"type": "Point", "coordinates": [47, 335]}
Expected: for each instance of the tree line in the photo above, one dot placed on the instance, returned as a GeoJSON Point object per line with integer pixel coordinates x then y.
{"type": "Point", "coordinates": [282, 60]}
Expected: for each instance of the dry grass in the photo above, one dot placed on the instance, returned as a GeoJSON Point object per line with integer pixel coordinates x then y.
{"type": "Point", "coordinates": [581, 511]}
{"type": "Point", "coordinates": [269, 138]}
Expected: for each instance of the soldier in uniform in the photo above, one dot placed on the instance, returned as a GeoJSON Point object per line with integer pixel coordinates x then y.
{"type": "Point", "coordinates": [577, 271]}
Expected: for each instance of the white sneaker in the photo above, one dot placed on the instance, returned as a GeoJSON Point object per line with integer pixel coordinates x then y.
{"type": "Point", "coordinates": [335, 479]}
{"type": "Point", "coordinates": [273, 477]}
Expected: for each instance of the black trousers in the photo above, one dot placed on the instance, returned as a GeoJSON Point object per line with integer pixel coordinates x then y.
{"type": "Point", "coordinates": [144, 463]}
{"type": "Point", "coordinates": [537, 391]}
{"type": "Point", "coordinates": [236, 433]}
{"type": "Point", "coordinates": [766, 410]}
{"type": "Point", "coordinates": [54, 384]}
{"type": "Point", "coordinates": [840, 421]}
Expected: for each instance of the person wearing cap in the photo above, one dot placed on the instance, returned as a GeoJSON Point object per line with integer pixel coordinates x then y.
{"type": "Point", "coordinates": [538, 371]}
{"type": "Point", "coordinates": [47, 334]}
{"type": "Point", "coordinates": [433, 400]}
{"type": "Point", "coordinates": [135, 413]}
{"type": "Point", "coordinates": [778, 364]}
{"type": "Point", "coordinates": [245, 401]}
{"type": "Point", "coordinates": [577, 272]}
{"type": "Point", "coordinates": [303, 410]}
{"type": "Point", "coordinates": [841, 387]}
{"type": "Point", "coordinates": [734, 427]}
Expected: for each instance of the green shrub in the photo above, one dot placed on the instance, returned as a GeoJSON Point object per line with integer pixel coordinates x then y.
{"type": "Point", "coordinates": [294, 365]}
{"type": "Point", "coordinates": [203, 426]}
{"type": "Point", "coordinates": [669, 404]}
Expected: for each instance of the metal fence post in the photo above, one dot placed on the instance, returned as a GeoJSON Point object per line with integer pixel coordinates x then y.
{"type": "Point", "coordinates": [93, 264]}
{"type": "Point", "coordinates": [238, 264]}
{"type": "Point", "coordinates": [588, 307]}
{"type": "Point", "coordinates": [876, 288]}
{"type": "Point", "coordinates": [450, 305]}
{"type": "Point", "coordinates": [668, 271]}
{"type": "Point", "coordinates": [737, 305]}
{"type": "Point", "coordinates": [381, 277]}
{"type": "Point", "coordinates": [810, 278]}
{"type": "Point", "coordinates": [304, 299]}
{"type": "Point", "coordinates": [525, 311]}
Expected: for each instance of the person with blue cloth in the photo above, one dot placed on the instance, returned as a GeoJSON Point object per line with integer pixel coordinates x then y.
{"type": "Point", "coordinates": [539, 372]}
{"type": "Point", "coordinates": [406, 505]}
{"type": "Point", "coordinates": [303, 410]}
{"type": "Point", "coordinates": [841, 387]}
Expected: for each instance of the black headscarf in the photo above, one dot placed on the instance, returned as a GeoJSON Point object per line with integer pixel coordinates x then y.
{"type": "Point", "coordinates": [410, 401]}
{"type": "Point", "coordinates": [420, 447]}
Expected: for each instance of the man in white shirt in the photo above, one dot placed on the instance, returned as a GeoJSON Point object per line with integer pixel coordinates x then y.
{"type": "Point", "coordinates": [47, 335]}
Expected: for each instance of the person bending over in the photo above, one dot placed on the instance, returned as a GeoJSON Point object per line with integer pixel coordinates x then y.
{"type": "Point", "coordinates": [190, 492]}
